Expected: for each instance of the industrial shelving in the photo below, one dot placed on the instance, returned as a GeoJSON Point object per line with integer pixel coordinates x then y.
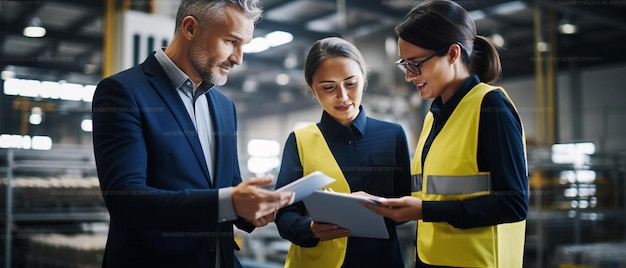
{"type": "Point", "coordinates": [47, 195]}
{"type": "Point", "coordinates": [558, 222]}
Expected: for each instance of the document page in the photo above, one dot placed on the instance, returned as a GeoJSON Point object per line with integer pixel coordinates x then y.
{"type": "Point", "coordinates": [345, 211]}
{"type": "Point", "coordinates": [306, 185]}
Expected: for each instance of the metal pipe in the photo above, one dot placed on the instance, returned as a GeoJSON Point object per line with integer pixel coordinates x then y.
{"type": "Point", "coordinates": [539, 75]}
{"type": "Point", "coordinates": [8, 219]}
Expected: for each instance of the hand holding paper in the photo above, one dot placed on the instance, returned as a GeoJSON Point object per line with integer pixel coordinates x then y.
{"type": "Point", "coordinates": [306, 185]}
{"type": "Point", "coordinates": [326, 231]}
{"type": "Point", "coordinates": [401, 209]}
{"type": "Point", "coordinates": [252, 202]}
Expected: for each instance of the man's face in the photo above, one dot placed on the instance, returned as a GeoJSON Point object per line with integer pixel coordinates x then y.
{"type": "Point", "coordinates": [219, 46]}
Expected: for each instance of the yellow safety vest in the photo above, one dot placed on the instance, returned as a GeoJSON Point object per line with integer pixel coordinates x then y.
{"type": "Point", "coordinates": [451, 173]}
{"type": "Point", "coordinates": [315, 155]}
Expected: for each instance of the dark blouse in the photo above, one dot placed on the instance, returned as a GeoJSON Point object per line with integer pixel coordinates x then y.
{"type": "Point", "coordinates": [373, 156]}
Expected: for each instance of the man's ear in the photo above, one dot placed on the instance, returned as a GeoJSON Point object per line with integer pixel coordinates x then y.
{"type": "Point", "coordinates": [189, 27]}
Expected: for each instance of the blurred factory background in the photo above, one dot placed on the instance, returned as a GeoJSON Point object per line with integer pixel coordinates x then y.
{"type": "Point", "coordinates": [563, 63]}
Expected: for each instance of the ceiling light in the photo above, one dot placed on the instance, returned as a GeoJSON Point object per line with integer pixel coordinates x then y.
{"type": "Point", "coordinates": [278, 38]}
{"type": "Point", "coordinates": [258, 44]}
{"type": "Point", "coordinates": [86, 125]}
{"type": "Point", "coordinates": [6, 75]}
{"type": "Point", "coordinates": [508, 8]}
{"type": "Point", "coordinates": [497, 40]}
{"type": "Point", "coordinates": [391, 47]}
{"type": "Point", "coordinates": [291, 61]}
{"type": "Point", "coordinates": [542, 46]}
{"type": "Point", "coordinates": [282, 79]}
{"type": "Point", "coordinates": [477, 15]}
{"type": "Point", "coordinates": [36, 116]}
{"type": "Point", "coordinates": [34, 28]}
{"type": "Point", "coordinates": [568, 28]}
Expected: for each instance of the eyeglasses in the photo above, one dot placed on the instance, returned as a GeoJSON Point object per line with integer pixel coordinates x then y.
{"type": "Point", "coordinates": [414, 68]}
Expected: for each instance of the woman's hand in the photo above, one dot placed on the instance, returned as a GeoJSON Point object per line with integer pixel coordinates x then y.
{"type": "Point", "coordinates": [401, 209]}
{"type": "Point", "coordinates": [325, 231]}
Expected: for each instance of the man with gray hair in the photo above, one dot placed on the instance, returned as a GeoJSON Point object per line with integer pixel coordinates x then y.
{"type": "Point", "coordinates": [165, 143]}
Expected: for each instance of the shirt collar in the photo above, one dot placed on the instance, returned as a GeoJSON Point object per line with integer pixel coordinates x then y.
{"type": "Point", "coordinates": [331, 127]}
{"type": "Point", "coordinates": [437, 107]}
{"type": "Point", "coordinates": [178, 77]}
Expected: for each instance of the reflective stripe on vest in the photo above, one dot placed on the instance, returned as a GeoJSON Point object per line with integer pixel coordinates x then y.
{"type": "Point", "coordinates": [315, 155]}
{"type": "Point", "coordinates": [452, 185]}
{"type": "Point", "coordinates": [416, 182]}
{"type": "Point", "coordinates": [455, 185]}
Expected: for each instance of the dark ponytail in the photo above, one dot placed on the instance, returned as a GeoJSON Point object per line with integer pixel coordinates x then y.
{"type": "Point", "coordinates": [485, 61]}
{"type": "Point", "coordinates": [436, 24]}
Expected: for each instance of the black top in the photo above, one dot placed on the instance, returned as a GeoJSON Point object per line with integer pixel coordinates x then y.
{"type": "Point", "coordinates": [373, 157]}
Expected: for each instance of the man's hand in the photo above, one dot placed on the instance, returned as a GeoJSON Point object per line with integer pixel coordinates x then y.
{"type": "Point", "coordinates": [401, 209]}
{"type": "Point", "coordinates": [324, 231]}
{"type": "Point", "coordinates": [252, 202]}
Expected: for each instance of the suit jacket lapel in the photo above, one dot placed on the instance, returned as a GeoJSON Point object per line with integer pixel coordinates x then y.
{"type": "Point", "coordinates": [164, 87]}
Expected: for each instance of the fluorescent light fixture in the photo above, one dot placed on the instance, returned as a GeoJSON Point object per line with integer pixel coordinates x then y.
{"type": "Point", "coordinates": [41, 143]}
{"type": "Point", "coordinates": [12, 86]}
{"type": "Point", "coordinates": [49, 89]}
{"type": "Point", "coordinates": [71, 91]}
{"type": "Point", "coordinates": [508, 8]}
{"type": "Point", "coordinates": [572, 153]}
{"type": "Point", "coordinates": [278, 38]}
{"type": "Point", "coordinates": [88, 92]}
{"type": "Point", "coordinates": [30, 88]}
{"type": "Point", "coordinates": [7, 75]}
{"type": "Point", "coordinates": [586, 176]}
{"type": "Point", "coordinates": [34, 29]}
{"type": "Point", "coordinates": [258, 44]}
{"type": "Point", "coordinates": [10, 141]}
{"type": "Point", "coordinates": [25, 142]}
{"type": "Point", "coordinates": [477, 15]}
{"type": "Point", "coordinates": [86, 125]}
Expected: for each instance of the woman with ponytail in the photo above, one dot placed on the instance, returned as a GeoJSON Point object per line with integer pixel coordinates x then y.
{"type": "Point", "coordinates": [469, 176]}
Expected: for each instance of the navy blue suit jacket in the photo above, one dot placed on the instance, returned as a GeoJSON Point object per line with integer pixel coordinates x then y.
{"type": "Point", "coordinates": [153, 176]}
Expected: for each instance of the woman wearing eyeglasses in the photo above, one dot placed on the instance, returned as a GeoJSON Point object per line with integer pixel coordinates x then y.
{"type": "Point", "coordinates": [360, 152]}
{"type": "Point", "coordinates": [470, 185]}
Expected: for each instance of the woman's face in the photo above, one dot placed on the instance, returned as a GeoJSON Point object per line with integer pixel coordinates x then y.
{"type": "Point", "coordinates": [338, 86]}
{"type": "Point", "coordinates": [436, 73]}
